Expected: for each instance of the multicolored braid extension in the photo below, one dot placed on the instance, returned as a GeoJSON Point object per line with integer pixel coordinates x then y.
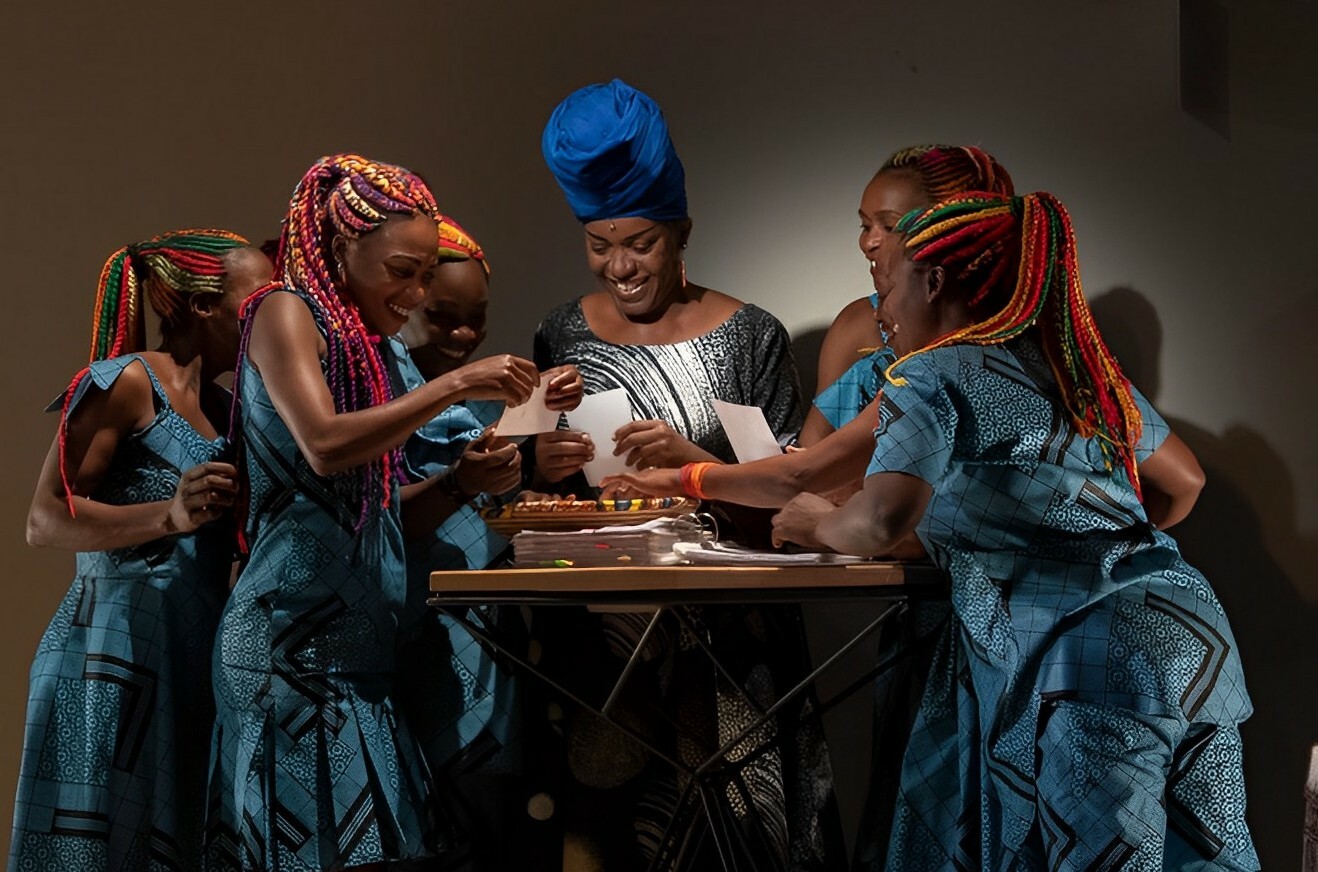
{"type": "Point", "coordinates": [343, 195]}
{"type": "Point", "coordinates": [456, 243]}
{"type": "Point", "coordinates": [171, 268]}
{"type": "Point", "coordinates": [1024, 248]}
{"type": "Point", "coordinates": [947, 170]}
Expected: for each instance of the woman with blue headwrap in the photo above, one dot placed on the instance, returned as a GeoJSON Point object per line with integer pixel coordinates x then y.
{"type": "Point", "coordinates": [674, 346]}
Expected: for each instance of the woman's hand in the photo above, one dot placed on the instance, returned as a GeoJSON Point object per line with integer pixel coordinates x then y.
{"type": "Point", "coordinates": [565, 389]}
{"type": "Point", "coordinates": [561, 453]}
{"type": "Point", "coordinates": [502, 377]}
{"type": "Point", "coordinates": [798, 520]}
{"type": "Point", "coordinates": [651, 483]}
{"type": "Point", "coordinates": [655, 444]}
{"type": "Point", "coordinates": [204, 493]}
{"type": "Point", "coordinates": [489, 465]}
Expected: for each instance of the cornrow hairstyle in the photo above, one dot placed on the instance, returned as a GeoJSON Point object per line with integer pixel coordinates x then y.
{"type": "Point", "coordinates": [455, 243]}
{"type": "Point", "coordinates": [342, 195]}
{"type": "Point", "coordinates": [171, 268]}
{"type": "Point", "coordinates": [1023, 249]}
{"type": "Point", "coordinates": [947, 170]}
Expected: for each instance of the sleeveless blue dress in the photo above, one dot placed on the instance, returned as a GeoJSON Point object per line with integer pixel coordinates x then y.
{"type": "Point", "coordinates": [312, 767]}
{"type": "Point", "coordinates": [119, 706]}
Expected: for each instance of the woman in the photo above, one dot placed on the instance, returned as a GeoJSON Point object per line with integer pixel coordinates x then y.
{"type": "Point", "coordinates": [119, 706]}
{"type": "Point", "coordinates": [458, 701]}
{"type": "Point", "coordinates": [912, 178]}
{"type": "Point", "coordinates": [673, 346]}
{"type": "Point", "coordinates": [312, 767]}
{"type": "Point", "coordinates": [1084, 709]}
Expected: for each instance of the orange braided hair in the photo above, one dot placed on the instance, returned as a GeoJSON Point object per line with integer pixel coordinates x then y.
{"type": "Point", "coordinates": [1024, 248]}
{"type": "Point", "coordinates": [455, 243]}
{"type": "Point", "coordinates": [947, 170]}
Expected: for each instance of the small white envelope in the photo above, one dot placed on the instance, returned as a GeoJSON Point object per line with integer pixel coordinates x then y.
{"type": "Point", "coordinates": [747, 430]}
{"type": "Point", "coordinates": [600, 416]}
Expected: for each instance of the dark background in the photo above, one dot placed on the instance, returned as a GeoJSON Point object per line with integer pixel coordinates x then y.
{"type": "Point", "coordinates": [1185, 146]}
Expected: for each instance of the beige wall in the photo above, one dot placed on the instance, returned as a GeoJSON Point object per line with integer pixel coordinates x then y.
{"type": "Point", "coordinates": [121, 120]}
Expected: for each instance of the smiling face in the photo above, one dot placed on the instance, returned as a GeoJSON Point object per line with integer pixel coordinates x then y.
{"type": "Point", "coordinates": [888, 196]}
{"type": "Point", "coordinates": [638, 263]}
{"type": "Point", "coordinates": [447, 328]}
{"type": "Point", "coordinates": [908, 291]}
{"type": "Point", "coordinates": [386, 271]}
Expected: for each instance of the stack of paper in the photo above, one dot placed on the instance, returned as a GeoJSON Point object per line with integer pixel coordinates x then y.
{"type": "Point", "coordinates": [710, 553]}
{"type": "Point", "coordinates": [648, 544]}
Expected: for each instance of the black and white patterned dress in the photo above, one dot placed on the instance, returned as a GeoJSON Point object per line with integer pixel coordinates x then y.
{"type": "Point", "coordinates": [777, 791]}
{"type": "Point", "coordinates": [747, 360]}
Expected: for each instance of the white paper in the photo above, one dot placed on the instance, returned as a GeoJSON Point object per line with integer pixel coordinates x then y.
{"type": "Point", "coordinates": [529, 418]}
{"type": "Point", "coordinates": [747, 430]}
{"type": "Point", "coordinates": [600, 416]}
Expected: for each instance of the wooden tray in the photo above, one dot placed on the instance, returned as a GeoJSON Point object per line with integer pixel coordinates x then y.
{"type": "Point", "coordinates": [549, 521]}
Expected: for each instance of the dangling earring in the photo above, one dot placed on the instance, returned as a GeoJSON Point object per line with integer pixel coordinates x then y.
{"type": "Point", "coordinates": [683, 273]}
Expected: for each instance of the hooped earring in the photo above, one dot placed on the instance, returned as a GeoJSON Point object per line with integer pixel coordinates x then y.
{"type": "Point", "coordinates": [338, 270]}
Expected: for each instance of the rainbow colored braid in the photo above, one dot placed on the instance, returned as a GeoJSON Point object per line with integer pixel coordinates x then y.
{"type": "Point", "coordinates": [1024, 248]}
{"type": "Point", "coordinates": [947, 170]}
{"type": "Point", "coordinates": [171, 268]}
{"type": "Point", "coordinates": [456, 243]}
{"type": "Point", "coordinates": [343, 195]}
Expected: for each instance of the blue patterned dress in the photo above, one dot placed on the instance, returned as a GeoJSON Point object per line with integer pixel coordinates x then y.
{"type": "Point", "coordinates": [449, 704]}
{"type": "Point", "coordinates": [1083, 708]}
{"type": "Point", "coordinates": [119, 706]}
{"type": "Point", "coordinates": [312, 768]}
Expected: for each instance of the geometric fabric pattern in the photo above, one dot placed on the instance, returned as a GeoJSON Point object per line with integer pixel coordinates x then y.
{"type": "Point", "coordinates": [1090, 680]}
{"type": "Point", "coordinates": [119, 712]}
{"type": "Point", "coordinates": [855, 389]}
{"type": "Point", "coordinates": [312, 767]}
{"type": "Point", "coordinates": [746, 360]}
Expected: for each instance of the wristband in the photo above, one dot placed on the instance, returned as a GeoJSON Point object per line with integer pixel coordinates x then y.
{"type": "Point", "coordinates": [691, 476]}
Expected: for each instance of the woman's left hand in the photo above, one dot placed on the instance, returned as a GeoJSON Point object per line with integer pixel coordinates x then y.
{"type": "Point", "coordinates": [565, 389]}
{"type": "Point", "coordinates": [654, 444]}
{"type": "Point", "coordinates": [799, 518]}
{"type": "Point", "coordinates": [489, 465]}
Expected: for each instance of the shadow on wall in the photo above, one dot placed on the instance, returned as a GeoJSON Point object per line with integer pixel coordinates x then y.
{"type": "Point", "coordinates": [805, 349]}
{"type": "Point", "coordinates": [1243, 536]}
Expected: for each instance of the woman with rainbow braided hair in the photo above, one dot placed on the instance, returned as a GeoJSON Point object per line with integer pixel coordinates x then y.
{"type": "Point", "coordinates": [313, 768]}
{"type": "Point", "coordinates": [119, 705]}
{"type": "Point", "coordinates": [912, 178]}
{"type": "Point", "coordinates": [1083, 710]}
{"type": "Point", "coordinates": [459, 702]}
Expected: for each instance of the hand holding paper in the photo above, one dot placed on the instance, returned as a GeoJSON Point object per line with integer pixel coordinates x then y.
{"type": "Point", "coordinates": [600, 416]}
{"type": "Point", "coordinates": [531, 417]}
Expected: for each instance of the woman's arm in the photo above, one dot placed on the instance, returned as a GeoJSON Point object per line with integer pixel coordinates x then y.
{"type": "Point", "coordinates": [879, 521]}
{"type": "Point", "coordinates": [95, 428]}
{"type": "Point", "coordinates": [285, 347]}
{"type": "Point", "coordinates": [1171, 480]}
{"type": "Point", "coordinates": [834, 462]}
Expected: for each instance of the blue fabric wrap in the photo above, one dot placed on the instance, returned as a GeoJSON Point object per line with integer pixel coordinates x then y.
{"type": "Point", "coordinates": [608, 148]}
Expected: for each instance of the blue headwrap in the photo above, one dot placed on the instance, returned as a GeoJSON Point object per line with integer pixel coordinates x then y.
{"type": "Point", "coordinates": [608, 148]}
